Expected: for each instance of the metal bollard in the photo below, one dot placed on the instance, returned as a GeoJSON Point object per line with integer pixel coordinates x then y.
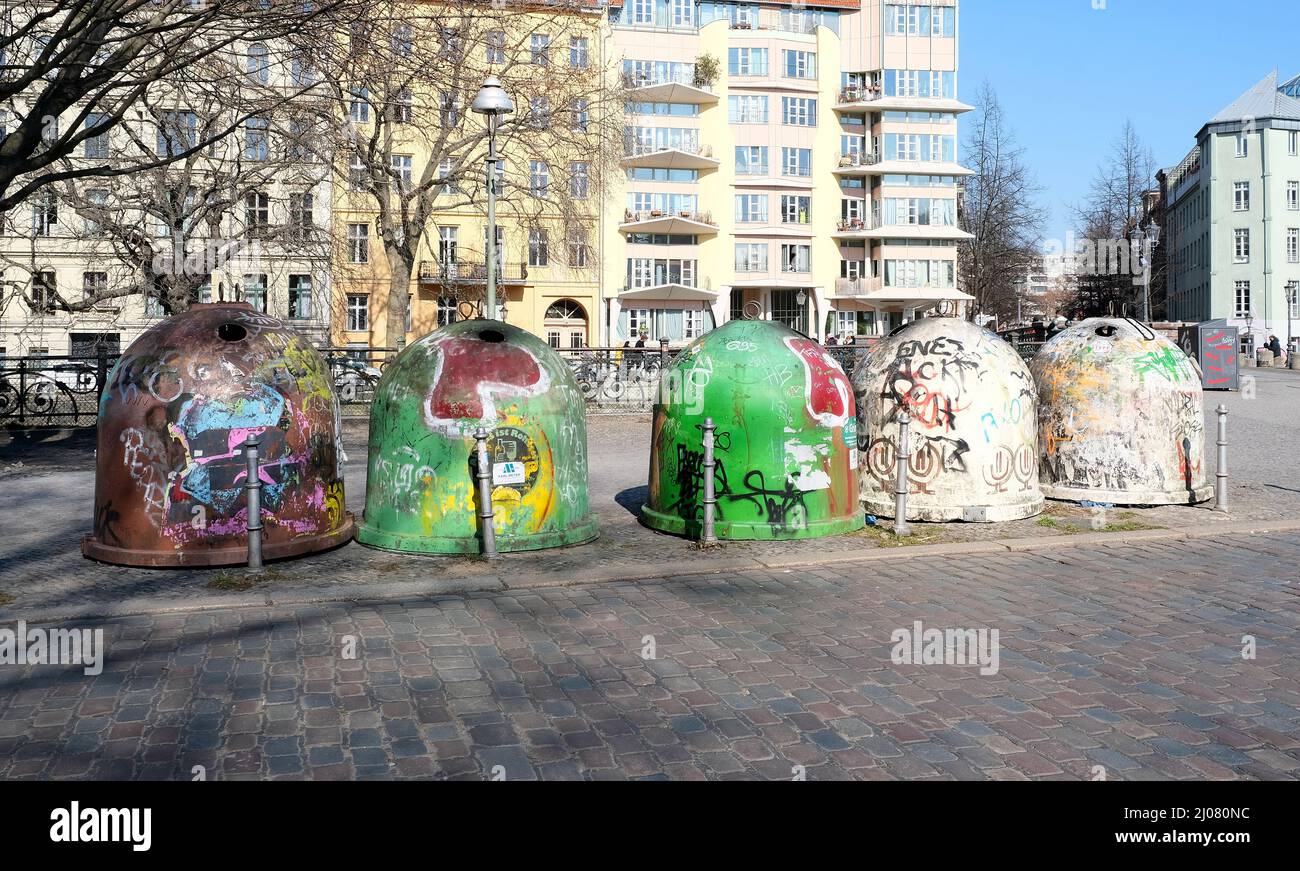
{"type": "Point", "coordinates": [1221, 470]}
{"type": "Point", "coordinates": [484, 475]}
{"type": "Point", "coordinates": [710, 494]}
{"type": "Point", "coordinates": [253, 488]}
{"type": "Point", "coordinates": [900, 482]}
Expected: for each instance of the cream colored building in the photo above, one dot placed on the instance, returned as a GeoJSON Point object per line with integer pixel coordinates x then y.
{"type": "Point", "coordinates": [811, 178]}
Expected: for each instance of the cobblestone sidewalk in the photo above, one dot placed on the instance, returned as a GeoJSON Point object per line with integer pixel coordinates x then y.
{"type": "Point", "coordinates": [1123, 660]}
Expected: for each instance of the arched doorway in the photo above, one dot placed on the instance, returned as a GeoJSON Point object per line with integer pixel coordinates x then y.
{"type": "Point", "coordinates": [566, 324]}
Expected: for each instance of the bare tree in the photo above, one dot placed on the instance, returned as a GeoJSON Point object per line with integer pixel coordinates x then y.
{"type": "Point", "coordinates": [212, 198]}
{"type": "Point", "coordinates": [72, 70]}
{"type": "Point", "coordinates": [1108, 221]}
{"type": "Point", "coordinates": [411, 151]}
{"type": "Point", "coordinates": [999, 209]}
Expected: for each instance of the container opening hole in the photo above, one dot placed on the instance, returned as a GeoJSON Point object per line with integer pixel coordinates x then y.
{"type": "Point", "coordinates": [1105, 330]}
{"type": "Point", "coordinates": [492, 335]}
{"type": "Point", "coordinates": [232, 332]}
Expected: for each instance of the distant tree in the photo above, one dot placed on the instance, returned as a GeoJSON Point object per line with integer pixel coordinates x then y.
{"type": "Point", "coordinates": [1000, 210]}
{"type": "Point", "coordinates": [1109, 258]}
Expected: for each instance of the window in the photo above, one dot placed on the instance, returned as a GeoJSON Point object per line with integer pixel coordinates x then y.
{"type": "Point", "coordinates": [1241, 246]}
{"type": "Point", "coordinates": [579, 53]}
{"type": "Point", "coordinates": [579, 116]}
{"type": "Point", "coordinates": [496, 47]}
{"type": "Point", "coordinates": [795, 210]}
{"type": "Point", "coordinates": [638, 322]}
{"type": "Point", "coordinates": [358, 173]}
{"type": "Point", "coordinates": [253, 291]}
{"type": "Point", "coordinates": [299, 297]}
{"type": "Point", "coordinates": [1293, 245]}
{"type": "Point", "coordinates": [1293, 195]}
{"type": "Point", "coordinates": [257, 210]}
{"type": "Point", "coordinates": [751, 160]}
{"type": "Point", "coordinates": [579, 180]}
{"type": "Point", "coordinates": [45, 291]}
{"type": "Point", "coordinates": [300, 140]}
{"type": "Point", "coordinates": [646, 272]}
{"type": "Point", "coordinates": [358, 312]}
{"type": "Point", "coordinates": [683, 13]}
{"type": "Point", "coordinates": [796, 258]}
{"type": "Point", "coordinates": [1293, 298]}
{"type": "Point", "coordinates": [1241, 304]}
{"type": "Point", "coordinates": [643, 11]}
{"type": "Point", "coordinates": [553, 338]}
{"type": "Point", "coordinates": [448, 109]}
{"type": "Point", "coordinates": [751, 208]}
{"type": "Point", "coordinates": [751, 257]}
{"type": "Point", "coordinates": [300, 214]}
{"type": "Point", "coordinates": [359, 109]}
{"type": "Point", "coordinates": [446, 310]}
{"type": "Point", "coordinates": [410, 310]}
{"type": "Point", "coordinates": [751, 109]}
{"type": "Point", "coordinates": [799, 111]}
{"type": "Point", "coordinates": [692, 323]}
{"type": "Point", "coordinates": [1292, 142]}
{"type": "Point", "coordinates": [1243, 144]}
{"type": "Point", "coordinates": [94, 146]}
{"type": "Point", "coordinates": [578, 249]}
{"type": "Point", "coordinates": [45, 213]}
{"type": "Point", "coordinates": [97, 198]}
{"type": "Point", "coordinates": [539, 112]}
{"type": "Point", "coordinates": [1241, 196]}
{"type": "Point", "coordinates": [539, 177]}
{"type": "Point", "coordinates": [402, 107]}
{"type": "Point", "coordinates": [178, 132]}
{"type": "Point", "coordinates": [402, 170]}
{"type": "Point", "coordinates": [538, 248]}
{"type": "Point", "coordinates": [256, 144]}
{"type": "Point", "coordinates": [747, 61]}
{"type": "Point", "coordinates": [300, 72]}
{"type": "Point", "coordinates": [402, 40]}
{"type": "Point", "coordinates": [445, 167]}
{"type": "Point", "coordinates": [358, 243]}
{"type": "Point", "coordinates": [540, 49]}
{"type": "Point", "coordinates": [447, 240]}
{"type": "Point", "coordinates": [796, 161]}
{"type": "Point", "coordinates": [259, 64]}
{"type": "Point", "coordinates": [94, 284]}
{"type": "Point", "coordinates": [787, 310]}
{"type": "Point", "coordinates": [800, 64]}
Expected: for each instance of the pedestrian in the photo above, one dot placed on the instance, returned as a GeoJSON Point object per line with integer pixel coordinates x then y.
{"type": "Point", "coordinates": [832, 340]}
{"type": "Point", "coordinates": [1275, 346]}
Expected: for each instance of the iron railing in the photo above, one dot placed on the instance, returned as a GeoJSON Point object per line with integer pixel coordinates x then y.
{"type": "Point", "coordinates": [50, 391]}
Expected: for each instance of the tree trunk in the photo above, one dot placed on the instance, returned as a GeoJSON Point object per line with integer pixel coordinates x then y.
{"type": "Point", "coordinates": [399, 287]}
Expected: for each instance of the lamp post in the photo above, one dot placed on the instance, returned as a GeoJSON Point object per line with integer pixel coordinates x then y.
{"type": "Point", "coordinates": [801, 300]}
{"type": "Point", "coordinates": [1147, 233]}
{"type": "Point", "coordinates": [492, 102]}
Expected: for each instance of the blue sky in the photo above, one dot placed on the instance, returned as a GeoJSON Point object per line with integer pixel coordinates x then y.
{"type": "Point", "coordinates": [1068, 75]}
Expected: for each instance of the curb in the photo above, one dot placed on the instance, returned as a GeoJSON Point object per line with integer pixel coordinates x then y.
{"type": "Point", "coordinates": [697, 568]}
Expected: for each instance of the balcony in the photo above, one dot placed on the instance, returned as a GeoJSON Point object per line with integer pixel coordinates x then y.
{"type": "Point", "coordinates": [673, 89]}
{"type": "Point", "coordinates": [858, 163]}
{"type": "Point", "coordinates": [855, 228]}
{"type": "Point", "coordinates": [874, 164]}
{"type": "Point", "coordinates": [856, 287]}
{"type": "Point", "coordinates": [682, 222]}
{"type": "Point", "coordinates": [457, 272]}
{"type": "Point", "coordinates": [686, 156]}
{"type": "Point", "coordinates": [859, 98]}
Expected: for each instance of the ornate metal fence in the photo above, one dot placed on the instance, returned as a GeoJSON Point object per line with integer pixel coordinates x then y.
{"type": "Point", "coordinates": [40, 392]}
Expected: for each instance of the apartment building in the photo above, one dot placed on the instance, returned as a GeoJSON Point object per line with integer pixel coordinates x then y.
{"type": "Point", "coordinates": [1232, 216]}
{"type": "Point", "coordinates": [790, 161]}
{"type": "Point", "coordinates": [87, 263]}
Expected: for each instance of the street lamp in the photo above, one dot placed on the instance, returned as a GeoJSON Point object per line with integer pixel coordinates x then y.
{"type": "Point", "coordinates": [492, 102]}
{"type": "Point", "coordinates": [1148, 233]}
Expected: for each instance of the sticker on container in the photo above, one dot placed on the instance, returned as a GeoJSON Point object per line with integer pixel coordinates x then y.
{"type": "Point", "coordinates": [508, 473]}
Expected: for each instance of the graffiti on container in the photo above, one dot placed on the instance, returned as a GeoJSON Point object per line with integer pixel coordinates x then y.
{"type": "Point", "coordinates": [782, 507]}
{"type": "Point", "coordinates": [929, 457]}
{"type": "Point", "coordinates": [828, 392]}
{"type": "Point", "coordinates": [472, 375]}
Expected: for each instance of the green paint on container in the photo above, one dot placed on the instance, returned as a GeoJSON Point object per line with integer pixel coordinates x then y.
{"type": "Point", "coordinates": [786, 439]}
{"type": "Point", "coordinates": [421, 495]}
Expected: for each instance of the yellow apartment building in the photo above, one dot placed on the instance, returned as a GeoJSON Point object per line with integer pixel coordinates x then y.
{"type": "Point", "coordinates": [552, 62]}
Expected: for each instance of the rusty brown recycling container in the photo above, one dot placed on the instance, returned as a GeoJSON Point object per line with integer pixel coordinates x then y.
{"type": "Point", "coordinates": [171, 469]}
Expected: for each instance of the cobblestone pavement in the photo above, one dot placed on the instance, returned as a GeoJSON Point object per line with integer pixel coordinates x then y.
{"type": "Point", "coordinates": [46, 506]}
{"type": "Point", "coordinates": [1127, 657]}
